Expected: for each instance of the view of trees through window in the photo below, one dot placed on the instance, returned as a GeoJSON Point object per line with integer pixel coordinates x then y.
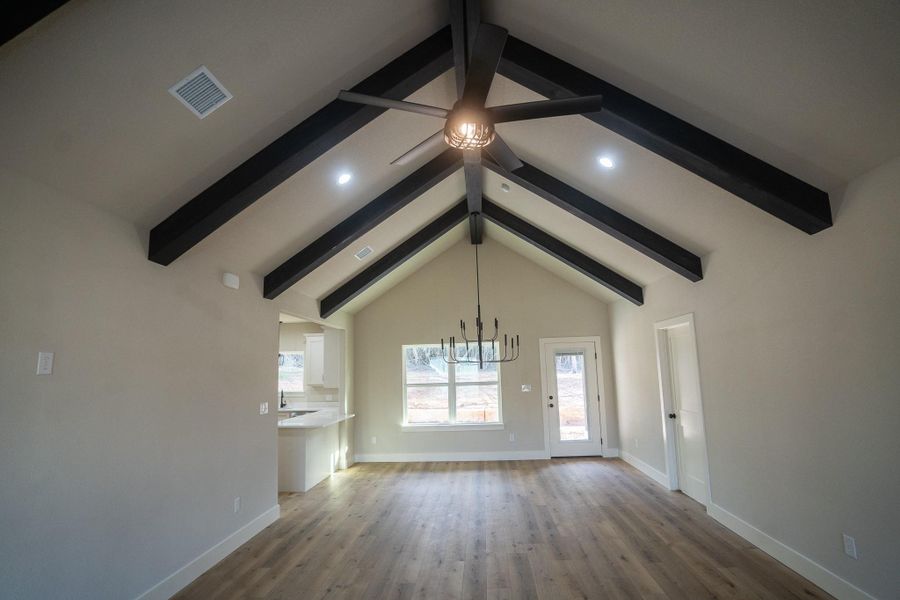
{"type": "Point", "coordinates": [572, 391]}
{"type": "Point", "coordinates": [441, 393]}
{"type": "Point", "coordinates": [290, 372]}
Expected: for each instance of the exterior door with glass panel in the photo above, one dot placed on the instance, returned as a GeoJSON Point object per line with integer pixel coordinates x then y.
{"type": "Point", "coordinates": [572, 398]}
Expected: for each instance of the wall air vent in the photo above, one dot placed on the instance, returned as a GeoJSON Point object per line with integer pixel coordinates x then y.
{"type": "Point", "coordinates": [363, 253]}
{"type": "Point", "coordinates": [201, 92]}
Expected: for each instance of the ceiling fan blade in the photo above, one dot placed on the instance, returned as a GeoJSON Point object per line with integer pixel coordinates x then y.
{"type": "Point", "coordinates": [421, 149]}
{"type": "Point", "coordinates": [422, 109]}
{"type": "Point", "coordinates": [546, 108]}
{"type": "Point", "coordinates": [483, 64]}
{"type": "Point", "coordinates": [472, 171]}
{"type": "Point", "coordinates": [503, 154]}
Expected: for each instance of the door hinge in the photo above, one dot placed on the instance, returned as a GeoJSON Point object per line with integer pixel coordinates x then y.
{"type": "Point", "coordinates": [595, 356]}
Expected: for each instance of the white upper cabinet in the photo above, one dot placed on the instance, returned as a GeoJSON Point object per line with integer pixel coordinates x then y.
{"type": "Point", "coordinates": [324, 356]}
{"type": "Point", "coordinates": [313, 369]}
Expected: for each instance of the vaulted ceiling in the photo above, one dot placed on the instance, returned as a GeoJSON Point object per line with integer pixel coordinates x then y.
{"type": "Point", "coordinates": [810, 89]}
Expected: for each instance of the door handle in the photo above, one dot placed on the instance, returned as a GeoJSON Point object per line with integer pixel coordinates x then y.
{"type": "Point", "coordinates": [672, 415]}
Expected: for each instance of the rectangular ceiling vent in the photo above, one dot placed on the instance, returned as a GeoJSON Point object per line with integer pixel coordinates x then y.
{"type": "Point", "coordinates": [363, 253]}
{"type": "Point", "coordinates": [201, 92]}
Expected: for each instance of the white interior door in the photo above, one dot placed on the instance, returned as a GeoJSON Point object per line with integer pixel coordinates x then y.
{"type": "Point", "coordinates": [572, 398]}
{"type": "Point", "coordinates": [687, 412]}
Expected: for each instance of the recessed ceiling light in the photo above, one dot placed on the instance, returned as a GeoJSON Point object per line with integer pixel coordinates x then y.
{"type": "Point", "coordinates": [344, 178]}
{"type": "Point", "coordinates": [606, 162]}
{"type": "Point", "coordinates": [504, 187]}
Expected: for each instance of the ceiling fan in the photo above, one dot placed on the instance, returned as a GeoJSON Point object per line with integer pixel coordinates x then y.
{"type": "Point", "coordinates": [469, 125]}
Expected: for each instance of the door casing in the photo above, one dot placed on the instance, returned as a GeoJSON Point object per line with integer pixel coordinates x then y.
{"type": "Point", "coordinates": [667, 402]}
{"type": "Point", "coordinates": [604, 434]}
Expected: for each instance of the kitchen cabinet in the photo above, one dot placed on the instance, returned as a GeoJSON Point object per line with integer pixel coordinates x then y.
{"type": "Point", "coordinates": [314, 359]}
{"type": "Point", "coordinates": [323, 359]}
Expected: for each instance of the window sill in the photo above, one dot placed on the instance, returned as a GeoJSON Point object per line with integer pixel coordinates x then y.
{"type": "Point", "coordinates": [454, 427]}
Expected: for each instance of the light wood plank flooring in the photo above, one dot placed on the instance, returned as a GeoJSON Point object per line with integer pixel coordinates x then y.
{"type": "Point", "coordinates": [566, 528]}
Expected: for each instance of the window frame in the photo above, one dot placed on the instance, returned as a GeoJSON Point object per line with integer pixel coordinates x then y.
{"type": "Point", "coordinates": [295, 395]}
{"type": "Point", "coordinates": [451, 385]}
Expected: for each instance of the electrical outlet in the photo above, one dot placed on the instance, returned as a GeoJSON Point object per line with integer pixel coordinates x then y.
{"type": "Point", "coordinates": [374, 440]}
{"type": "Point", "coordinates": [45, 363]}
{"type": "Point", "coordinates": [850, 547]}
{"type": "Point", "coordinates": [263, 408]}
{"type": "Point", "coordinates": [237, 504]}
{"type": "Point", "coordinates": [512, 436]}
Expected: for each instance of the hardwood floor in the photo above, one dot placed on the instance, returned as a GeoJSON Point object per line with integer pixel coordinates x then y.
{"type": "Point", "coordinates": [566, 528]}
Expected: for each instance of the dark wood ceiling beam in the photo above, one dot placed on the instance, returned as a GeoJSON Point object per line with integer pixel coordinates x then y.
{"type": "Point", "coordinates": [474, 191]}
{"type": "Point", "coordinates": [393, 259]}
{"type": "Point", "coordinates": [287, 155]}
{"type": "Point", "coordinates": [363, 220]}
{"type": "Point", "coordinates": [713, 159]}
{"type": "Point", "coordinates": [16, 17]}
{"type": "Point", "coordinates": [604, 218]}
{"type": "Point", "coordinates": [570, 256]}
{"type": "Point", "coordinates": [458, 31]}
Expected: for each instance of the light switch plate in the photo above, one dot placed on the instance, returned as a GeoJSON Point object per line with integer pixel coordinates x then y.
{"type": "Point", "coordinates": [263, 408]}
{"type": "Point", "coordinates": [526, 387]}
{"type": "Point", "coordinates": [850, 547]}
{"type": "Point", "coordinates": [45, 363]}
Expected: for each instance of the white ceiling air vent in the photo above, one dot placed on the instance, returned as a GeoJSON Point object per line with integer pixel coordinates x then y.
{"type": "Point", "coordinates": [201, 92]}
{"type": "Point", "coordinates": [364, 252]}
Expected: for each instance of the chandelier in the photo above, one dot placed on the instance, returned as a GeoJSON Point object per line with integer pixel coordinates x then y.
{"type": "Point", "coordinates": [451, 353]}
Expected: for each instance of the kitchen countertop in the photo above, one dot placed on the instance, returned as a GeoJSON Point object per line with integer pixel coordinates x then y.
{"type": "Point", "coordinates": [314, 420]}
{"type": "Point", "coordinates": [301, 405]}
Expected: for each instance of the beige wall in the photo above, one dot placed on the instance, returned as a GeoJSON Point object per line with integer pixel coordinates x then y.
{"type": "Point", "coordinates": [428, 305]}
{"type": "Point", "coordinates": [292, 336]}
{"type": "Point", "coordinates": [799, 345]}
{"type": "Point", "coordinates": [121, 467]}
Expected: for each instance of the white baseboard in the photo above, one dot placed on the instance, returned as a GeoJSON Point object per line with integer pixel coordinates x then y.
{"type": "Point", "coordinates": [651, 472]}
{"type": "Point", "coordinates": [822, 577]}
{"type": "Point", "coordinates": [610, 452]}
{"type": "Point", "coordinates": [178, 580]}
{"type": "Point", "coordinates": [453, 456]}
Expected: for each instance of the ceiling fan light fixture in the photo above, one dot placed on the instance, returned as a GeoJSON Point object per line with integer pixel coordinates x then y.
{"type": "Point", "coordinates": [469, 130]}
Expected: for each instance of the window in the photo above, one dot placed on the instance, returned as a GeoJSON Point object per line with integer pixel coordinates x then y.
{"type": "Point", "coordinates": [441, 395]}
{"type": "Point", "coordinates": [290, 372]}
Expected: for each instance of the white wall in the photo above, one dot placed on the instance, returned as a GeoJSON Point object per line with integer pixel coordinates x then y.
{"type": "Point", "coordinates": [799, 345]}
{"type": "Point", "coordinates": [528, 299]}
{"type": "Point", "coordinates": [121, 467]}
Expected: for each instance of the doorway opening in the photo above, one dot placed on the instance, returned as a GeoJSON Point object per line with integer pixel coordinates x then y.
{"type": "Point", "coordinates": [684, 430]}
{"type": "Point", "coordinates": [312, 428]}
{"type": "Point", "coordinates": [573, 399]}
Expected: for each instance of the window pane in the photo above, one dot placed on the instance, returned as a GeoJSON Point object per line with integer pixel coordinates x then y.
{"type": "Point", "coordinates": [427, 404]}
{"type": "Point", "coordinates": [471, 372]}
{"type": "Point", "coordinates": [424, 364]}
{"type": "Point", "coordinates": [570, 383]}
{"type": "Point", "coordinates": [477, 403]}
{"type": "Point", "coordinates": [290, 372]}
